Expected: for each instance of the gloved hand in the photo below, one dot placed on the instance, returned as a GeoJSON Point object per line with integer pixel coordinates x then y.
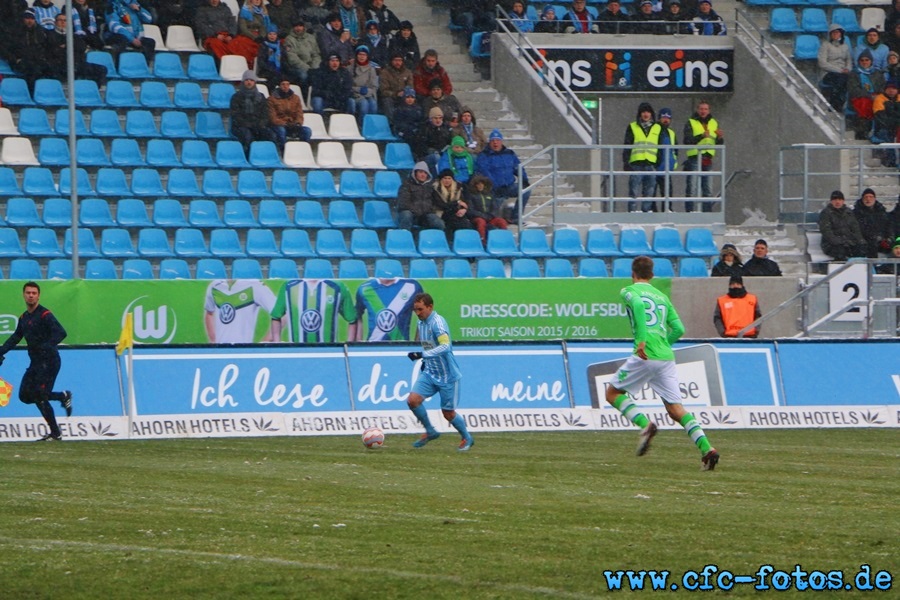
{"type": "Point", "coordinates": [884, 245]}
{"type": "Point", "coordinates": [414, 355]}
{"type": "Point", "coordinates": [364, 91]}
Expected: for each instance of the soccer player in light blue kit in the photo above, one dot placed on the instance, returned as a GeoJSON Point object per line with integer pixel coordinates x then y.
{"type": "Point", "coordinates": [439, 374]}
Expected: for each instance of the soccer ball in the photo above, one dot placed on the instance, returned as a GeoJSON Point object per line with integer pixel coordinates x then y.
{"type": "Point", "coordinates": [6, 390]}
{"type": "Point", "coordinates": [373, 437]}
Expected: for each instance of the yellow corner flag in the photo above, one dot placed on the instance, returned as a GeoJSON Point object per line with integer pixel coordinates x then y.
{"type": "Point", "coordinates": [126, 338]}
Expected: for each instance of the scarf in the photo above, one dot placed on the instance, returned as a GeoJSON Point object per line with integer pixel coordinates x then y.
{"type": "Point", "coordinates": [470, 164]}
{"type": "Point", "coordinates": [274, 52]}
{"type": "Point", "coordinates": [350, 20]}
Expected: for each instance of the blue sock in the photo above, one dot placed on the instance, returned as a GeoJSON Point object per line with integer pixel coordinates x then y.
{"type": "Point", "coordinates": [422, 416]}
{"type": "Point", "coordinates": [460, 425]}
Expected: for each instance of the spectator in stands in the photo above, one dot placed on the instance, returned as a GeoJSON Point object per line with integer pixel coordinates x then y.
{"type": "Point", "coordinates": [736, 309]}
{"type": "Point", "coordinates": [473, 15]}
{"type": "Point", "coordinates": [469, 131]}
{"type": "Point", "coordinates": [215, 26]}
{"type": "Point", "coordinates": [668, 157]}
{"type": "Point", "coordinates": [519, 18]}
{"type": "Point", "coordinates": [85, 25]}
{"type": "Point", "coordinates": [407, 118]}
{"type": "Point", "coordinates": [482, 207]}
{"type": "Point", "coordinates": [418, 202]}
{"type": "Point", "coordinates": [394, 78]}
{"type": "Point", "coordinates": [29, 50]}
{"type": "Point", "coordinates": [501, 165]}
{"type": "Point", "coordinates": [377, 44]}
{"type": "Point", "coordinates": [448, 103]}
{"type": "Point", "coordinates": [315, 15]}
{"type": "Point", "coordinates": [886, 112]}
{"type": "Point", "coordinates": [286, 115]}
{"type": "Point", "coordinates": [548, 22]}
{"type": "Point", "coordinates": [841, 236]}
{"type": "Point", "coordinates": [250, 113]}
{"type": "Point", "coordinates": [349, 13]}
{"type": "Point", "coordinates": [449, 193]}
{"type": "Point", "coordinates": [675, 18]}
{"type": "Point", "coordinates": [579, 19]}
{"type": "Point", "coordinates": [892, 37]}
{"type": "Point", "coordinates": [458, 160]}
{"type": "Point", "coordinates": [432, 138]}
{"type": "Point", "coordinates": [729, 263]}
{"type": "Point", "coordinates": [45, 14]}
{"type": "Point", "coordinates": [760, 265]}
{"type": "Point", "coordinates": [301, 54]}
{"type": "Point", "coordinates": [872, 43]}
{"type": "Point", "coordinates": [610, 20]}
{"type": "Point", "coordinates": [862, 85]}
{"type": "Point", "coordinates": [645, 20]}
{"type": "Point", "coordinates": [707, 21]}
{"type": "Point", "coordinates": [56, 56]}
{"type": "Point", "coordinates": [252, 25]}
{"type": "Point", "coordinates": [874, 223]}
{"type": "Point", "coordinates": [406, 44]}
{"type": "Point", "coordinates": [702, 129]}
{"type": "Point", "coordinates": [895, 220]}
{"type": "Point", "coordinates": [334, 39]}
{"type": "Point", "coordinates": [270, 58]}
{"type": "Point", "coordinates": [893, 66]}
{"type": "Point", "coordinates": [894, 253]}
{"type": "Point", "coordinates": [427, 71]}
{"type": "Point", "coordinates": [388, 23]}
{"type": "Point", "coordinates": [332, 87]}
{"type": "Point", "coordinates": [10, 27]}
{"type": "Point", "coordinates": [282, 14]}
{"type": "Point", "coordinates": [834, 58]}
{"type": "Point", "coordinates": [125, 21]}
{"type": "Point", "coordinates": [365, 84]}
{"type": "Point", "coordinates": [171, 12]}
{"type": "Point", "coordinates": [641, 156]}
{"type": "Point", "coordinates": [893, 16]}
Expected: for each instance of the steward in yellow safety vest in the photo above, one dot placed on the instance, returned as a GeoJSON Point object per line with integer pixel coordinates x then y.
{"type": "Point", "coordinates": [643, 135]}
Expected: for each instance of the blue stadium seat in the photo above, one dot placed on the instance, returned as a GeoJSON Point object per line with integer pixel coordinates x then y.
{"type": "Point", "coordinates": [239, 214]}
{"type": "Point", "coordinates": [137, 268]}
{"type": "Point", "coordinates": [387, 184]}
{"type": "Point", "coordinates": [699, 242]}
{"type": "Point", "coordinates": [174, 268]}
{"type": "Point", "coordinates": [398, 156]}
{"type": "Point", "coordinates": [167, 65]}
{"type": "Point", "coordinates": [219, 95]}
{"type": "Point", "coordinates": [104, 59]}
{"type": "Point", "coordinates": [5, 70]}
{"type": "Point", "coordinates": [364, 243]}
{"type": "Point", "coordinates": [806, 47]}
{"type": "Point", "coordinates": [116, 243]}
{"type": "Point", "coordinates": [387, 268]}
{"type": "Point", "coordinates": [22, 212]}
{"type": "Point", "coordinates": [130, 212]}
{"type": "Point", "coordinates": [84, 183]}
{"type": "Point", "coordinates": [295, 244]}
{"type": "Point", "coordinates": [376, 128]}
{"type": "Point", "coordinates": [423, 268]}
{"type": "Point", "coordinates": [54, 152]}
{"type": "Point", "coordinates": [667, 242]}
{"type": "Point", "coordinates": [217, 184]}
{"type": "Point", "coordinates": [662, 267]}
{"type": "Point", "coordinates": [558, 267]}
{"type": "Point", "coordinates": [633, 242]}
{"type": "Point", "coordinates": [318, 268]}
{"type": "Point", "coordinates": [330, 244]}
{"type": "Point", "coordinates": [457, 268]}
{"type": "Point", "coordinates": [209, 125]}
{"type": "Point", "coordinates": [95, 212]}
{"type": "Point", "coordinates": [261, 244]}
{"type": "Point", "coordinates": [211, 268]}
{"type": "Point", "coordinates": [225, 243]}
{"type": "Point", "coordinates": [9, 185]}
{"type": "Point", "coordinates": [353, 184]}
{"type": "Point", "coordinates": [182, 182]}
{"type": "Point", "coordinates": [189, 243]}
{"type": "Point", "coordinates": [10, 247]}
{"type": "Point", "coordinates": [398, 243]}
{"type": "Point", "coordinates": [120, 94]}
{"type": "Point", "coordinates": [38, 181]}
{"type": "Point", "coordinates": [273, 214]}
{"type": "Point", "coordinates": [57, 212]}
{"type": "Point", "coordinates": [476, 45]}
{"type": "Point", "coordinates": [196, 154]}
{"type": "Point", "coordinates": [154, 243]}
{"type": "Point", "coordinates": [49, 92]}
{"type": "Point", "coordinates": [283, 268]}
{"type": "Point", "coordinates": [264, 155]}
{"type": "Point", "coordinates": [286, 184]}
{"type": "Point", "coordinates": [490, 268]}
{"type": "Point", "coordinates": [87, 243]}
{"type": "Point", "coordinates": [155, 94]}
{"type": "Point", "coordinates": [246, 268]}
{"type": "Point", "coordinates": [525, 268]}
{"type": "Point", "coordinates": [252, 184]}
{"type": "Point", "coordinates": [27, 269]}
{"type": "Point", "coordinates": [622, 267]}
{"type": "Point", "coordinates": [175, 124]}
{"type": "Point", "coordinates": [105, 123]}
{"type": "Point", "coordinates": [42, 242]}
{"type": "Point", "coordinates": [813, 20]}
{"type": "Point", "coordinates": [111, 183]}
{"type": "Point", "coordinates": [602, 242]}
{"type": "Point", "coordinates": [467, 244]}
{"type": "Point", "coordinates": [533, 243]}
{"type": "Point", "coordinates": [140, 124]}
{"type": "Point", "coordinates": [204, 213]}
{"type": "Point", "coordinates": [567, 242]}
{"type": "Point", "coordinates": [309, 214]}
{"type": "Point", "coordinates": [91, 152]}
{"type": "Point", "coordinates": [147, 183]}
{"type": "Point", "coordinates": [502, 243]}
{"type": "Point", "coordinates": [161, 153]}
{"type": "Point", "coordinates": [202, 67]}
{"type": "Point", "coordinates": [592, 267]}
{"type": "Point", "coordinates": [377, 215]}
{"type": "Point", "coordinates": [133, 65]}
{"type": "Point", "coordinates": [692, 267]}
{"type": "Point", "coordinates": [34, 121]}
{"type": "Point", "coordinates": [88, 94]}
{"type": "Point", "coordinates": [61, 123]}
{"type": "Point", "coordinates": [783, 20]}
{"type": "Point", "coordinates": [320, 184]}
{"type": "Point", "coordinates": [352, 268]}
{"type": "Point", "coordinates": [59, 268]}
{"type": "Point", "coordinates": [168, 212]}
{"type": "Point", "coordinates": [14, 92]}
{"type": "Point", "coordinates": [433, 244]}
{"type": "Point", "coordinates": [230, 155]}
{"type": "Point", "coordinates": [100, 268]}
{"type": "Point", "coordinates": [342, 215]}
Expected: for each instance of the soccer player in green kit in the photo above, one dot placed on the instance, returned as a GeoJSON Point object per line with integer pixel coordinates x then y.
{"type": "Point", "coordinates": [656, 326]}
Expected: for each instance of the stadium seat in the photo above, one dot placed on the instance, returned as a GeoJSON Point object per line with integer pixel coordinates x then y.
{"type": "Point", "coordinates": [182, 182]}
{"type": "Point", "coordinates": [872, 17]}
{"type": "Point", "coordinates": [43, 243]}
{"type": "Point", "coordinates": [239, 214]}
{"type": "Point", "coordinates": [59, 268]}
{"type": "Point", "coordinates": [342, 215]}
{"type": "Point", "coordinates": [161, 153]}
{"type": "Point", "coordinates": [167, 65]}
{"type": "Point", "coordinates": [104, 59]}
{"type": "Point", "coordinates": [87, 243]}
{"type": "Point", "coordinates": [283, 268]}
{"type": "Point", "coordinates": [295, 244]}
{"type": "Point", "coordinates": [320, 184]}
{"type": "Point", "coordinates": [18, 151]}
{"type": "Point", "coordinates": [211, 268]}
{"type": "Point", "coordinates": [217, 184]}
{"type": "Point", "coordinates": [130, 212]}
{"type": "Point", "coordinates": [220, 93]}
{"type": "Point", "coordinates": [95, 212]}
{"type": "Point", "coordinates": [365, 155]}
{"type": "Point", "coordinates": [54, 152]}
{"type": "Point", "coordinates": [169, 213]}
{"type": "Point", "coordinates": [622, 267]}
{"type": "Point", "coordinates": [567, 242]}
{"type": "Point", "coordinates": [105, 123]}
{"type": "Point", "coordinates": [27, 269]}
{"type": "Point", "coordinates": [467, 244]}
{"type": "Point", "coordinates": [633, 242]}
{"type": "Point", "coordinates": [783, 19]}
{"type": "Point", "coordinates": [343, 127]}
{"type": "Point", "coordinates": [261, 244]}
{"type": "Point", "coordinates": [592, 267]}
{"type": "Point", "coordinates": [354, 184]}
{"type": "Point", "coordinates": [317, 268]}
{"type": "Point", "coordinates": [154, 243]}
{"type": "Point", "coordinates": [667, 242]}
{"type": "Point", "coordinates": [330, 244]}
{"type": "Point", "coordinates": [813, 20]}
{"type": "Point", "coordinates": [155, 33]}
{"type": "Point", "coordinates": [477, 47]}
{"type": "Point", "coordinates": [699, 242]}
{"type": "Point", "coordinates": [82, 181]}
{"type": "Point", "coordinates": [662, 267]}
{"type": "Point", "coordinates": [299, 155]}
{"type": "Point", "coordinates": [316, 125]}
{"type": "Point", "coordinates": [61, 123]}
{"type": "Point", "coordinates": [181, 38]}
{"type": "Point", "coordinates": [846, 18]}
{"type": "Point", "coordinates": [230, 155]}
{"type": "Point", "coordinates": [10, 247]}
{"type": "Point", "coordinates": [195, 154]}
{"type": "Point", "coordinates": [264, 155]}
{"type": "Point", "coordinates": [5, 70]}
{"type": "Point", "coordinates": [433, 244]}
{"type": "Point", "coordinates": [57, 212]}
{"type": "Point", "coordinates": [38, 181]}
{"type": "Point", "coordinates": [9, 185]}
{"type": "Point", "coordinates": [204, 213]}
{"type": "Point", "coordinates": [377, 215]}
{"type": "Point", "coordinates": [111, 183]}
{"type": "Point", "coordinates": [364, 243]}
{"type": "Point", "coordinates": [232, 67]}
{"type": "Point", "coordinates": [558, 267]}
{"type": "Point", "coordinates": [457, 268]}
{"type": "Point", "coordinates": [502, 243]}
{"type": "Point", "coordinates": [116, 243]}
{"type": "Point", "coordinates": [189, 243]}
{"type": "Point", "coordinates": [377, 128]}
{"type": "Point", "coordinates": [490, 268]}
{"type": "Point", "coordinates": [34, 121]}
{"type": "Point", "coordinates": [174, 124]}
{"type": "Point", "coordinates": [398, 243]}
{"type": "Point", "coordinates": [91, 152]}
{"type": "Point", "coordinates": [146, 182]}
{"type": "Point", "coordinates": [155, 94]}
{"type": "Point", "coordinates": [100, 268]}
{"type": "Point", "coordinates": [14, 92]}
{"type": "Point", "coordinates": [88, 94]}
{"type": "Point", "coordinates": [309, 214]}
{"type": "Point", "coordinates": [22, 212]}
{"type": "Point", "coordinates": [331, 155]}
{"type": "Point", "coordinates": [602, 242]}
{"type": "Point", "coordinates": [133, 65]}
{"type": "Point", "coordinates": [806, 47]}
{"type": "Point", "coordinates": [120, 94]}
{"type": "Point", "coordinates": [202, 67]}
{"type": "Point", "coordinates": [388, 268]}
{"type": "Point", "coordinates": [352, 268]}
{"type": "Point", "coordinates": [174, 268]}
{"type": "Point", "coordinates": [209, 125]}
{"type": "Point", "coordinates": [533, 243]}
{"type": "Point", "coordinates": [252, 184]}
{"type": "Point", "coordinates": [137, 268]}
{"type": "Point", "coordinates": [525, 268]}
{"type": "Point", "coordinates": [398, 156]}
{"type": "Point", "coordinates": [423, 268]}
{"type": "Point", "coordinates": [692, 267]}
{"type": "Point", "coordinates": [387, 184]}
{"type": "Point", "coordinates": [49, 92]}
{"type": "Point", "coordinates": [273, 214]}
{"type": "Point", "coordinates": [140, 124]}
{"type": "Point", "coordinates": [246, 268]}
{"type": "Point", "coordinates": [7, 125]}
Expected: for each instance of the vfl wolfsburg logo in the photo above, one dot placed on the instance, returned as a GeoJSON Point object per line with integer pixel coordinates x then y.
{"type": "Point", "coordinates": [227, 313]}
{"type": "Point", "coordinates": [310, 320]}
{"type": "Point", "coordinates": [386, 320]}
{"type": "Point", "coordinates": [152, 324]}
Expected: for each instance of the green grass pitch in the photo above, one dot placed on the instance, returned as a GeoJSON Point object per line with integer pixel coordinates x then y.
{"type": "Point", "coordinates": [523, 515]}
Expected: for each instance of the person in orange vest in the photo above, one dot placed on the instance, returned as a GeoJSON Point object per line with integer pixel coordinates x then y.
{"type": "Point", "coordinates": [735, 310]}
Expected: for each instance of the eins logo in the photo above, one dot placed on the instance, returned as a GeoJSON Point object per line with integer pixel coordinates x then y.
{"type": "Point", "coordinates": [682, 73]}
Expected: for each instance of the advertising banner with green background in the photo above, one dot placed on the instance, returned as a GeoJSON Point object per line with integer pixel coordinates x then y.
{"type": "Point", "coordinates": [174, 312]}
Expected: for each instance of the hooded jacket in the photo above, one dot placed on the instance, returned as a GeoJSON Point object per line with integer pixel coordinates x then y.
{"type": "Point", "coordinates": [285, 108]}
{"type": "Point", "coordinates": [629, 133]}
{"type": "Point", "coordinates": [723, 269]}
{"type": "Point", "coordinates": [302, 50]}
{"type": "Point", "coordinates": [473, 135]}
{"type": "Point", "coordinates": [417, 197]}
{"type": "Point", "coordinates": [834, 56]}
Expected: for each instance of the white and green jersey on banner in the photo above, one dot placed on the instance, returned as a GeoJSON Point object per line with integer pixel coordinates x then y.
{"type": "Point", "coordinates": [654, 320]}
{"type": "Point", "coordinates": [235, 303]}
{"type": "Point", "coordinates": [313, 308]}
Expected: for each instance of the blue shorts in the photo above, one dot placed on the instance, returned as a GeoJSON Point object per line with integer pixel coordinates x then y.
{"type": "Point", "coordinates": [427, 387]}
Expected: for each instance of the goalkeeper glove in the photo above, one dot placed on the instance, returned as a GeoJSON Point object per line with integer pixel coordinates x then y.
{"type": "Point", "coordinates": [414, 355]}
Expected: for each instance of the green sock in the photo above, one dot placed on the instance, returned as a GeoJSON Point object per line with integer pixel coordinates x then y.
{"type": "Point", "coordinates": [629, 409]}
{"type": "Point", "coordinates": [693, 429]}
